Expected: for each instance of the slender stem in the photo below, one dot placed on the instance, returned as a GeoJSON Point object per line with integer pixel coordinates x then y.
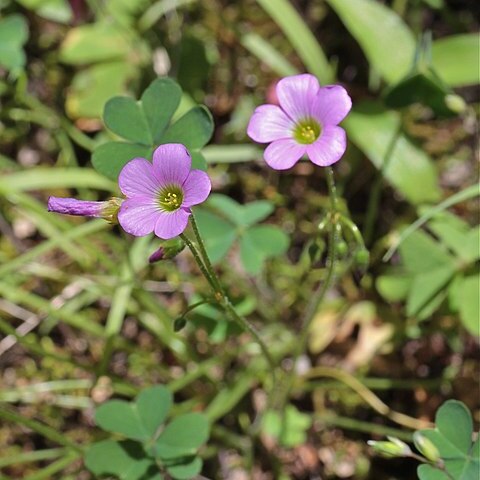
{"type": "Point", "coordinates": [367, 395]}
{"type": "Point", "coordinates": [220, 296]}
{"type": "Point", "coordinates": [374, 199]}
{"type": "Point", "coordinates": [199, 261]}
{"type": "Point", "coordinates": [204, 254]}
{"type": "Point", "coordinates": [321, 291]}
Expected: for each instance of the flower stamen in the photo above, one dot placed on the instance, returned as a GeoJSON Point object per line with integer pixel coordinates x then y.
{"type": "Point", "coordinates": [307, 131]}
{"type": "Point", "coordinates": [170, 198]}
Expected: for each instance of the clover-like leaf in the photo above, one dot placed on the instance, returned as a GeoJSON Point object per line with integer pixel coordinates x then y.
{"type": "Point", "coordinates": [159, 102]}
{"type": "Point", "coordinates": [218, 234]}
{"type": "Point", "coordinates": [186, 470]}
{"type": "Point", "coordinates": [194, 129]}
{"type": "Point", "coordinates": [109, 158]}
{"type": "Point", "coordinates": [259, 243]}
{"type": "Point", "coordinates": [121, 417]}
{"type": "Point", "coordinates": [153, 405]}
{"type": "Point", "coordinates": [452, 437]}
{"type": "Point", "coordinates": [126, 117]}
{"type": "Point", "coordinates": [126, 460]}
{"type": "Point", "coordinates": [182, 436]}
{"type": "Point", "coordinates": [427, 472]}
{"type": "Point", "coordinates": [13, 35]}
{"type": "Point", "coordinates": [147, 124]}
{"type": "Point", "coordinates": [137, 420]}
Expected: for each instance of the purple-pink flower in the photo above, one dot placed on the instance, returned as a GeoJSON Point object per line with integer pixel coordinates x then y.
{"type": "Point", "coordinates": [160, 194]}
{"type": "Point", "coordinates": [305, 123]}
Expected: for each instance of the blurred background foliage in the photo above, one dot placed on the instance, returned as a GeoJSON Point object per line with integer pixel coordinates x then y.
{"type": "Point", "coordinates": [84, 317]}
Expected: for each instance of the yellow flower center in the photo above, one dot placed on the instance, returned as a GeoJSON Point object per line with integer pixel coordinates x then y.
{"type": "Point", "coordinates": [170, 198]}
{"type": "Point", "coordinates": [307, 131]}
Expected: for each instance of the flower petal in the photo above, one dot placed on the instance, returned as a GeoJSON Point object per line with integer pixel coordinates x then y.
{"type": "Point", "coordinates": [171, 163]}
{"type": "Point", "coordinates": [283, 154]}
{"type": "Point", "coordinates": [331, 105]}
{"type": "Point", "coordinates": [269, 123]}
{"type": "Point", "coordinates": [171, 224]}
{"type": "Point", "coordinates": [196, 188]}
{"type": "Point", "coordinates": [296, 95]}
{"type": "Point", "coordinates": [137, 216]}
{"type": "Point", "coordinates": [72, 206]}
{"type": "Point", "coordinates": [137, 179]}
{"type": "Point", "coordinates": [329, 147]}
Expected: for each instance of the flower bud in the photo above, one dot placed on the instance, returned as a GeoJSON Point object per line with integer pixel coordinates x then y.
{"type": "Point", "coordinates": [167, 250]}
{"type": "Point", "coordinates": [179, 324]}
{"type": "Point", "coordinates": [342, 248]}
{"type": "Point", "coordinates": [107, 210]}
{"type": "Point", "coordinates": [362, 258]}
{"type": "Point", "coordinates": [426, 447]}
{"type": "Point", "coordinates": [393, 448]}
{"type": "Point", "coordinates": [455, 103]}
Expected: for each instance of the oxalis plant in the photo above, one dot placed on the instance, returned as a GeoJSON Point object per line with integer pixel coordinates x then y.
{"type": "Point", "coordinates": [161, 175]}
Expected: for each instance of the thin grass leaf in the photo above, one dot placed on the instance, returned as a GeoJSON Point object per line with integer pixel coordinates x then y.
{"type": "Point", "coordinates": [301, 38]}
{"type": "Point", "coordinates": [270, 56]}
{"type": "Point", "coordinates": [42, 178]}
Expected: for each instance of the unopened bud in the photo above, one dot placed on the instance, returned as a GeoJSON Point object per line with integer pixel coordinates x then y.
{"type": "Point", "coordinates": [179, 324]}
{"type": "Point", "coordinates": [167, 250]}
{"type": "Point", "coordinates": [426, 447]}
{"type": "Point", "coordinates": [455, 103]}
{"type": "Point", "coordinates": [393, 448]}
{"type": "Point", "coordinates": [342, 248]}
{"type": "Point", "coordinates": [362, 258]}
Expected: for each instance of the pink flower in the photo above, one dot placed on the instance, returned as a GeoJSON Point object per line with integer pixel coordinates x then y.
{"type": "Point", "coordinates": [160, 194]}
{"type": "Point", "coordinates": [305, 123]}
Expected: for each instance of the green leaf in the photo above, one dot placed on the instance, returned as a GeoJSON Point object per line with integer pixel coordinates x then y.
{"type": "Point", "coordinates": [427, 472]}
{"type": "Point", "coordinates": [109, 158]}
{"type": "Point", "coordinates": [125, 117]}
{"type": "Point", "coordinates": [92, 87]}
{"type": "Point", "coordinates": [301, 38]}
{"type": "Point", "coordinates": [255, 212]}
{"type": "Point", "coordinates": [198, 161]}
{"type": "Point", "coordinates": [95, 42]}
{"type": "Point", "coordinates": [194, 129]}
{"type": "Point", "coordinates": [452, 232]}
{"type": "Point", "coordinates": [13, 35]}
{"type": "Point", "coordinates": [455, 59]}
{"type": "Point", "coordinates": [56, 10]}
{"type": "Point", "coordinates": [420, 87]}
{"type": "Point", "coordinates": [265, 52]}
{"type": "Point", "coordinates": [420, 253]}
{"type": "Point", "coordinates": [182, 436]}
{"type": "Point", "coordinates": [289, 430]}
{"type": "Point", "coordinates": [259, 243]}
{"type": "Point", "coordinates": [471, 248]}
{"type": "Point", "coordinates": [217, 233]}
{"type": "Point", "coordinates": [386, 40]}
{"type": "Point", "coordinates": [469, 303]}
{"type": "Point", "coordinates": [371, 128]}
{"type": "Point", "coordinates": [159, 102]}
{"type": "Point", "coordinates": [187, 470]}
{"type": "Point", "coordinates": [226, 206]}
{"type": "Point", "coordinates": [153, 405]}
{"type": "Point", "coordinates": [452, 437]}
{"type": "Point", "coordinates": [394, 287]}
{"type": "Point", "coordinates": [127, 460]}
{"type": "Point", "coordinates": [121, 417]}
{"type": "Point", "coordinates": [426, 285]}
